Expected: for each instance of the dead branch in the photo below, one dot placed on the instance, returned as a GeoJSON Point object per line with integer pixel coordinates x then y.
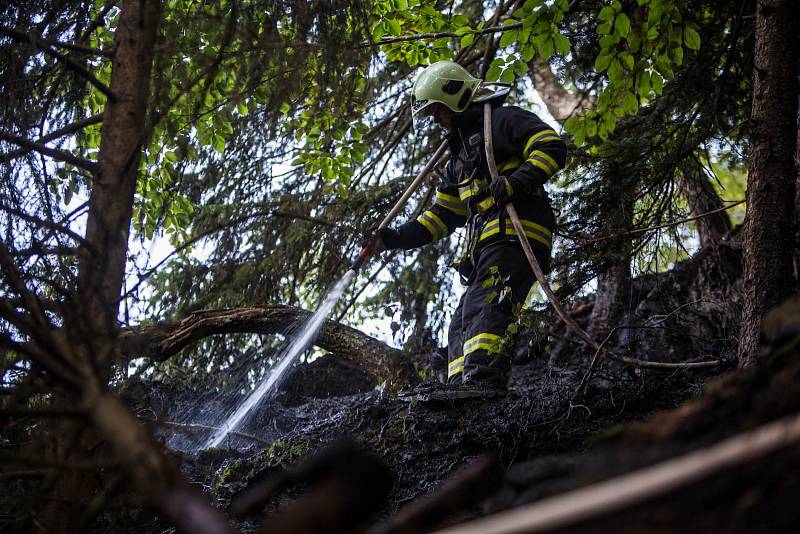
{"type": "Point", "coordinates": [562, 511]}
{"type": "Point", "coordinates": [161, 341]}
{"type": "Point", "coordinates": [586, 240]}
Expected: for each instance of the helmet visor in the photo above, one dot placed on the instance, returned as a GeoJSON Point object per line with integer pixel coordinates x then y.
{"type": "Point", "coordinates": [419, 106]}
{"type": "Point", "coordinates": [422, 115]}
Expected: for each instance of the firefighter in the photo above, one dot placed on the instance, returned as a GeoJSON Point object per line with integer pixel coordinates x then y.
{"type": "Point", "coordinates": [493, 267]}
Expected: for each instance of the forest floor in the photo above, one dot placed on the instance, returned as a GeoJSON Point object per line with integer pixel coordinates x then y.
{"type": "Point", "coordinates": [423, 444]}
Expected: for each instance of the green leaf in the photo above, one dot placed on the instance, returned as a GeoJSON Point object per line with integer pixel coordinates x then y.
{"type": "Point", "coordinates": [507, 76]}
{"type": "Point", "coordinates": [634, 41]}
{"type": "Point", "coordinates": [394, 26]}
{"type": "Point", "coordinates": [630, 103]}
{"type": "Point", "coordinates": [571, 123]}
{"type": "Point", "coordinates": [520, 68]}
{"type": "Point", "coordinates": [677, 55]}
{"type": "Point", "coordinates": [622, 24]}
{"type": "Point", "coordinates": [493, 73]}
{"type": "Point", "coordinates": [170, 156]}
{"type": "Point", "coordinates": [527, 52]}
{"type": "Point", "coordinates": [545, 47]}
{"type": "Point", "coordinates": [691, 38]}
{"type": "Point", "coordinates": [627, 59]}
{"type": "Point", "coordinates": [608, 41]}
{"type": "Point", "coordinates": [615, 70]}
{"type": "Point", "coordinates": [579, 135]}
{"type": "Point", "coordinates": [604, 29]}
{"type": "Point", "coordinates": [219, 143]}
{"type": "Point", "coordinates": [460, 20]}
{"type": "Point", "coordinates": [606, 14]}
{"type": "Point", "coordinates": [643, 85]}
{"type": "Point", "coordinates": [658, 83]}
{"type": "Point", "coordinates": [602, 62]}
{"type": "Point", "coordinates": [467, 40]}
{"type": "Point", "coordinates": [378, 31]}
{"type": "Point", "coordinates": [652, 34]}
{"type": "Point", "coordinates": [562, 44]}
{"type": "Point", "coordinates": [508, 37]}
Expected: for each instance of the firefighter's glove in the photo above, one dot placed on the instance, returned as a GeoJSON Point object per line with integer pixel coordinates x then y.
{"type": "Point", "coordinates": [381, 239]}
{"type": "Point", "coordinates": [501, 189]}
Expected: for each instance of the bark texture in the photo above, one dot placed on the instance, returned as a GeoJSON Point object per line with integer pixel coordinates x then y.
{"type": "Point", "coordinates": [161, 341]}
{"type": "Point", "coordinates": [768, 239]}
{"type": "Point", "coordinates": [611, 300]}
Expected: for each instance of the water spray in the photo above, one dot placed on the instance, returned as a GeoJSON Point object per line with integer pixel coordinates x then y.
{"type": "Point", "coordinates": [308, 332]}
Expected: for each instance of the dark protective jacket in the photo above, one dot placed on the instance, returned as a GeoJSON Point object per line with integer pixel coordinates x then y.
{"type": "Point", "coordinates": [526, 150]}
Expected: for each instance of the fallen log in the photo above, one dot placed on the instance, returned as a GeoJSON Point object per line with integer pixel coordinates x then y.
{"type": "Point", "coordinates": [161, 341]}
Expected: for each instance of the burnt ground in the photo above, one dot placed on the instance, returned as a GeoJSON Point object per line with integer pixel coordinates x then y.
{"type": "Point", "coordinates": [423, 444]}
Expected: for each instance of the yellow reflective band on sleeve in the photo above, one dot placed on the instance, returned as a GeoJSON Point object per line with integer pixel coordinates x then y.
{"type": "Point", "coordinates": [455, 367]}
{"type": "Point", "coordinates": [486, 341]}
{"type": "Point", "coordinates": [428, 226]}
{"type": "Point", "coordinates": [547, 157]}
{"type": "Point", "coordinates": [446, 197]}
{"type": "Point", "coordinates": [468, 191]}
{"type": "Point", "coordinates": [451, 203]}
{"type": "Point", "coordinates": [532, 231]}
{"type": "Point", "coordinates": [506, 165]}
{"type": "Point", "coordinates": [543, 164]}
{"type": "Point", "coordinates": [544, 136]}
{"type": "Point", "coordinates": [434, 224]}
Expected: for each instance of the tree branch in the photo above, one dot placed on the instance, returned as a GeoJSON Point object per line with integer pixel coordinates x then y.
{"type": "Point", "coordinates": [61, 132]}
{"type": "Point", "coordinates": [56, 154]}
{"type": "Point", "coordinates": [161, 341]}
{"type": "Point", "coordinates": [22, 36]}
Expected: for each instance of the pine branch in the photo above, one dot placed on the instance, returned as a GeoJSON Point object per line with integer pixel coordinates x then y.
{"type": "Point", "coordinates": [61, 132]}
{"type": "Point", "coordinates": [56, 154]}
{"type": "Point", "coordinates": [22, 36]}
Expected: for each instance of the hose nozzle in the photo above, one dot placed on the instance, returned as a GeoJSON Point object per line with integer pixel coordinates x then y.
{"type": "Point", "coordinates": [365, 253]}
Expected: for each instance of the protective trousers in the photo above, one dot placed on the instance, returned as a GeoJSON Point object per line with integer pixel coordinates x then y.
{"type": "Point", "coordinates": [477, 344]}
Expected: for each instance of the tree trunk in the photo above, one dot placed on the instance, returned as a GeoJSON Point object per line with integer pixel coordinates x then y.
{"type": "Point", "coordinates": [701, 196]}
{"type": "Point", "coordinates": [102, 256]}
{"type": "Point", "coordinates": [768, 238]}
{"type": "Point", "coordinates": [611, 300]}
{"type": "Point", "coordinates": [797, 214]}
{"type": "Point", "coordinates": [161, 341]}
